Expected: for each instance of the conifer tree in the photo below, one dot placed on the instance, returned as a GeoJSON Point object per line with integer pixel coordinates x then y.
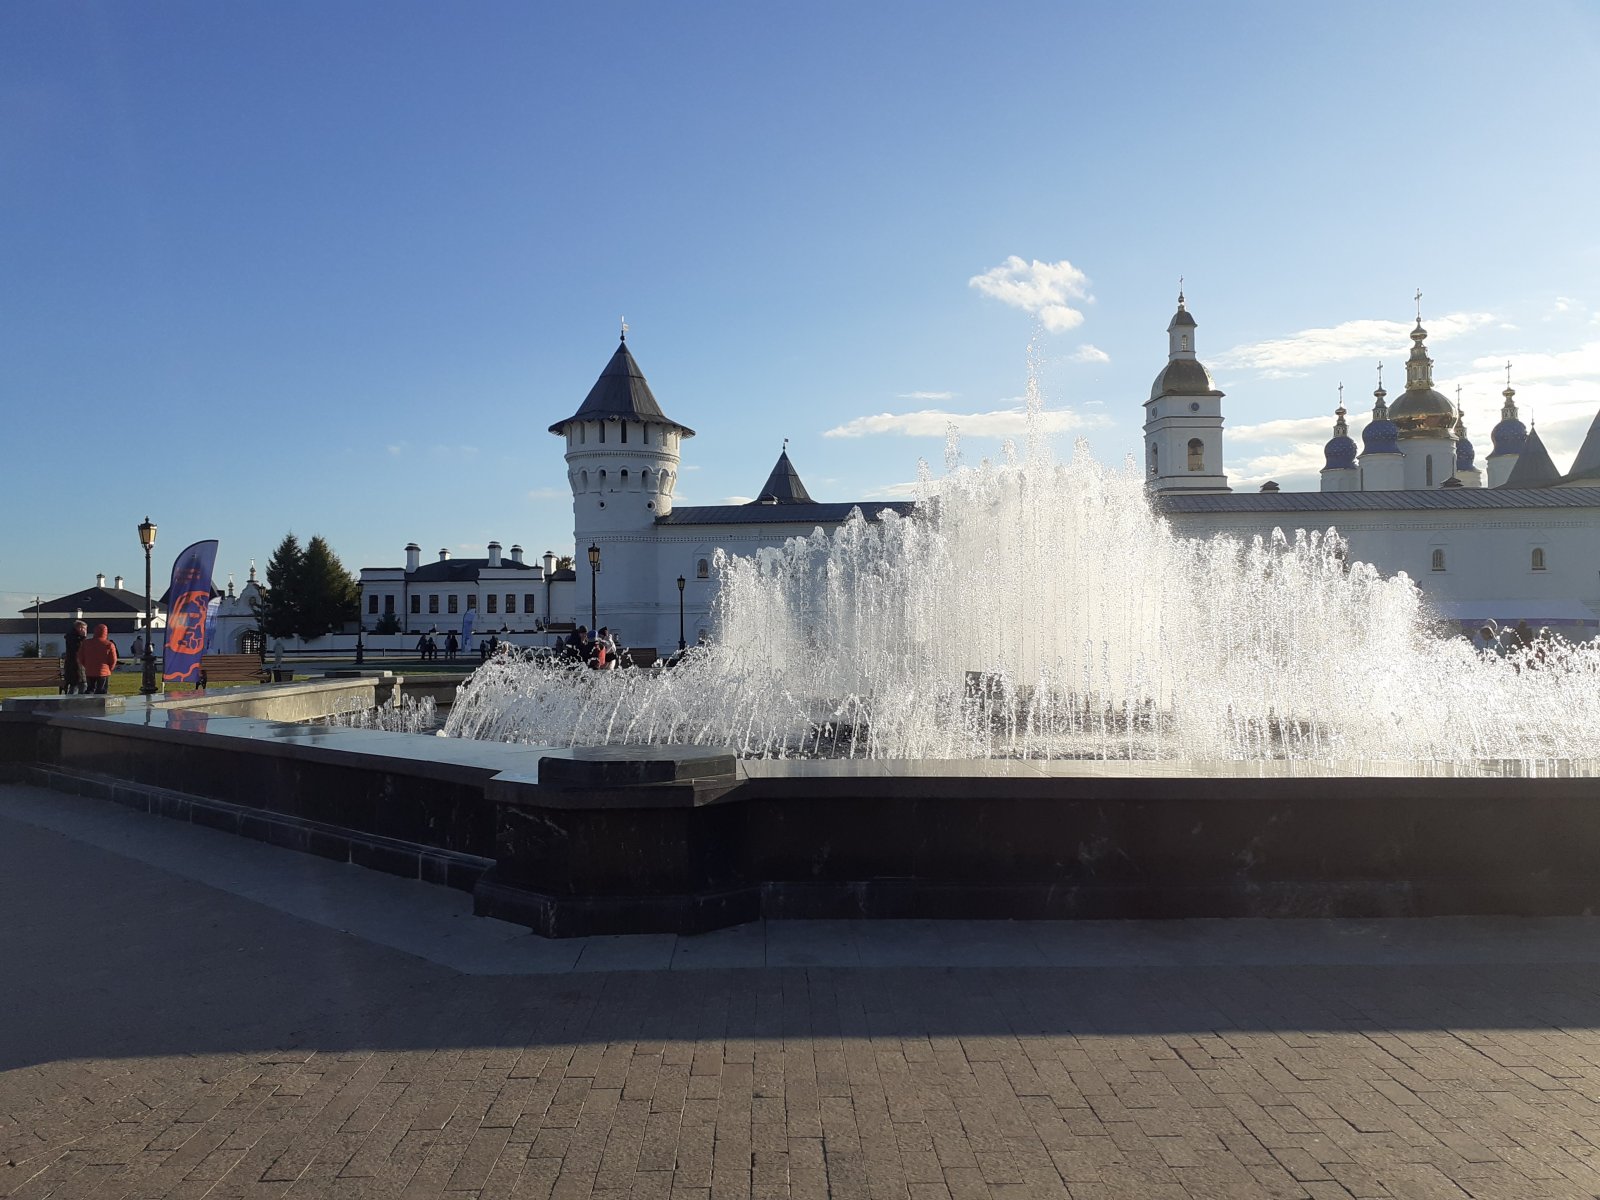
{"type": "Point", "coordinates": [330, 594]}
{"type": "Point", "coordinates": [278, 611]}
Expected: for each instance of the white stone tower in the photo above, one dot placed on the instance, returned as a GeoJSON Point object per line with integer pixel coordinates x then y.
{"type": "Point", "coordinates": [1183, 418]}
{"type": "Point", "coordinates": [622, 462]}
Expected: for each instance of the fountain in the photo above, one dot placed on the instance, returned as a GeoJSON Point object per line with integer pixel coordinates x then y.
{"type": "Point", "coordinates": [1027, 699]}
{"type": "Point", "coordinates": [1033, 610]}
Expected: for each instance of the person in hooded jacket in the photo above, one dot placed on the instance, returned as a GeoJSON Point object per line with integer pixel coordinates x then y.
{"type": "Point", "coordinates": [71, 669]}
{"type": "Point", "coordinates": [98, 657]}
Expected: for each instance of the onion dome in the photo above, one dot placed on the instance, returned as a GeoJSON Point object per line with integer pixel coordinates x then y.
{"type": "Point", "coordinates": [1381, 436]}
{"type": "Point", "coordinates": [1510, 435]}
{"type": "Point", "coordinates": [1421, 411]}
{"type": "Point", "coordinates": [1340, 452]}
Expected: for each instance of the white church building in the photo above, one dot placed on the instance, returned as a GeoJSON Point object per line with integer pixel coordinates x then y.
{"type": "Point", "coordinates": [1517, 540]}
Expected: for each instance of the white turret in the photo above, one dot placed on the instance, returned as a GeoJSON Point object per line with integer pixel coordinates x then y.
{"type": "Point", "coordinates": [1183, 418]}
{"type": "Point", "coordinates": [622, 463]}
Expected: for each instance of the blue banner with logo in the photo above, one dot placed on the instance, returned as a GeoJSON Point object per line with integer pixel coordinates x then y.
{"type": "Point", "coordinates": [188, 604]}
{"type": "Point", "coordinates": [466, 628]}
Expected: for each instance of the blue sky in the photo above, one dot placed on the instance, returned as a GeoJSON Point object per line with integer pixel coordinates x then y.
{"type": "Point", "coordinates": [335, 268]}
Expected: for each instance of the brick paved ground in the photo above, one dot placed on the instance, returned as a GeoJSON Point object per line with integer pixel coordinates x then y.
{"type": "Point", "coordinates": [163, 1038]}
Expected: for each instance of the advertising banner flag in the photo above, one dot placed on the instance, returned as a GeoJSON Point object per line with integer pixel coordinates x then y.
{"type": "Point", "coordinates": [466, 628]}
{"type": "Point", "coordinates": [188, 603]}
{"type": "Point", "coordinates": [211, 623]}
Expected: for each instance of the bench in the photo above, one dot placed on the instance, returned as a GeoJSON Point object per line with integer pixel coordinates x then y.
{"type": "Point", "coordinates": [30, 673]}
{"type": "Point", "coordinates": [638, 656]}
{"type": "Point", "coordinates": [231, 668]}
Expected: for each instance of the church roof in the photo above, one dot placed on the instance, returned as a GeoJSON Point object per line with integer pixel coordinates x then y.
{"type": "Point", "coordinates": [782, 514]}
{"type": "Point", "coordinates": [621, 394]}
{"type": "Point", "coordinates": [783, 486]}
{"type": "Point", "coordinates": [1534, 467]}
{"type": "Point", "coordinates": [1587, 465]}
{"type": "Point", "coordinates": [1398, 499]}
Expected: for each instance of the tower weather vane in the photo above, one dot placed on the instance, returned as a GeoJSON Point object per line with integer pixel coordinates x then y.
{"type": "Point", "coordinates": [1419, 306]}
{"type": "Point", "coordinates": [624, 328]}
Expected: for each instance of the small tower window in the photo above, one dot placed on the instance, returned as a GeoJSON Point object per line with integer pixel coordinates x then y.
{"type": "Point", "coordinates": [586, 481]}
{"type": "Point", "coordinates": [1155, 461]}
{"type": "Point", "coordinates": [1197, 455]}
{"type": "Point", "coordinates": [602, 426]}
{"type": "Point", "coordinates": [1438, 560]}
{"type": "Point", "coordinates": [583, 434]}
{"type": "Point", "coordinates": [702, 569]}
{"type": "Point", "coordinates": [1184, 343]}
{"type": "Point", "coordinates": [644, 479]}
{"type": "Point", "coordinates": [1538, 558]}
{"type": "Point", "coordinates": [624, 426]}
{"type": "Point", "coordinates": [1429, 468]}
{"type": "Point", "coordinates": [644, 434]}
{"type": "Point", "coordinates": [624, 476]}
{"type": "Point", "coordinates": [602, 477]}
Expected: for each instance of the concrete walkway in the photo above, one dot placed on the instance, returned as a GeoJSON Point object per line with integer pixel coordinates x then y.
{"type": "Point", "coordinates": [187, 1014]}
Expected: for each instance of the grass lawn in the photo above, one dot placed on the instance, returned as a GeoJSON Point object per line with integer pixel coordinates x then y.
{"type": "Point", "coordinates": [123, 683]}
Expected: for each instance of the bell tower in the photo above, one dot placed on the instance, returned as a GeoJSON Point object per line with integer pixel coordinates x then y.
{"type": "Point", "coordinates": [1183, 418]}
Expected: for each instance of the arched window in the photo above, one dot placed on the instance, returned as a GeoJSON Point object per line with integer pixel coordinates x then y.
{"type": "Point", "coordinates": [602, 477]}
{"type": "Point", "coordinates": [1197, 455]}
{"type": "Point", "coordinates": [1155, 461]}
{"type": "Point", "coordinates": [624, 476]}
{"type": "Point", "coordinates": [586, 481]}
{"type": "Point", "coordinates": [624, 426]}
{"type": "Point", "coordinates": [1438, 560]}
{"type": "Point", "coordinates": [702, 569]}
{"type": "Point", "coordinates": [644, 434]}
{"type": "Point", "coordinates": [1185, 343]}
{"type": "Point", "coordinates": [644, 479]}
{"type": "Point", "coordinates": [602, 425]}
{"type": "Point", "coordinates": [583, 434]}
{"type": "Point", "coordinates": [1538, 558]}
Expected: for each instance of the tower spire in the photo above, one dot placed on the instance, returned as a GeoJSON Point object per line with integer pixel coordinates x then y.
{"type": "Point", "coordinates": [1508, 410]}
{"type": "Point", "coordinates": [1340, 429]}
{"type": "Point", "coordinates": [1380, 410]}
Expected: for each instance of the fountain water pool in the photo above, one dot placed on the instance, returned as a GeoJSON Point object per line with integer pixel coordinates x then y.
{"type": "Point", "coordinates": [1033, 609]}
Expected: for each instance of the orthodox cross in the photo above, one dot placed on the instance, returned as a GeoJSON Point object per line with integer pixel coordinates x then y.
{"type": "Point", "coordinates": [1419, 306]}
{"type": "Point", "coordinates": [624, 328]}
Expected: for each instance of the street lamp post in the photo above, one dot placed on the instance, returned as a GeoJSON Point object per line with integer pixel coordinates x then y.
{"type": "Point", "coordinates": [594, 569]}
{"type": "Point", "coordinates": [682, 645]}
{"type": "Point", "coordinates": [361, 647]}
{"type": "Point", "coordinates": [147, 539]}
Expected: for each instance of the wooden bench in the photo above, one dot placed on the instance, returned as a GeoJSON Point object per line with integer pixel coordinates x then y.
{"type": "Point", "coordinates": [638, 656]}
{"type": "Point", "coordinates": [231, 668]}
{"type": "Point", "coordinates": [30, 672]}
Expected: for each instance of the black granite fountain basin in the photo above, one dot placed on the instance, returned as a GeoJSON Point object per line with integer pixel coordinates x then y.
{"type": "Point", "coordinates": [577, 841]}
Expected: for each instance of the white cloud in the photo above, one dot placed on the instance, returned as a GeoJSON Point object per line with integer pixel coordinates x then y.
{"type": "Point", "coordinates": [898, 491]}
{"type": "Point", "coordinates": [1040, 288]}
{"type": "Point", "coordinates": [737, 499]}
{"type": "Point", "coordinates": [925, 396]}
{"type": "Point", "coordinates": [1294, 470]}
{"type": "Point", "coordinates": [1088, 353]}
{"type": "Point", "coordinates": [1285, 430]}
{"type": "Point", "coordinates": [1278, 358]}
{"type": "Point", "coordinates": [935, 423]}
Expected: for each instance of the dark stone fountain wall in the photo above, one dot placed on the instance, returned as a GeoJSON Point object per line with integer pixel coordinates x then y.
{"type": "Point", "coordinates": [610, 841]}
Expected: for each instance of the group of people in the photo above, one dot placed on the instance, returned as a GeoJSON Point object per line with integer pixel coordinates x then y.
{"type": "Point", "coordinates": [88, 661]}
{"type": "Point", "coordinates": [599, 651]}
{"type": "Point", "coordinates": [428, 648]}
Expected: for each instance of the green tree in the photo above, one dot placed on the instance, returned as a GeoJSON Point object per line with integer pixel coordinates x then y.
{"type": "Point", "coordinates": [279, 610]}
{"type": "Point", "coordinates": [388, 623]}
{"type": "Point", "coordinates": [331, 598]}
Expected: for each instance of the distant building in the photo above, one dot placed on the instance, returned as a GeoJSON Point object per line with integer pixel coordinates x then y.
{"type": "Point", "coordinates": [121, 611]}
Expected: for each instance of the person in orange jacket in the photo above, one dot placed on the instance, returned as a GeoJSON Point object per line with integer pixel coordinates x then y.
{"type": "Point", "coordinates": [98, 658]}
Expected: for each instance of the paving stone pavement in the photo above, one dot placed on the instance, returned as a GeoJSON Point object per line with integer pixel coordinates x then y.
{"type": "Point", "coordinates": [166, 1036]}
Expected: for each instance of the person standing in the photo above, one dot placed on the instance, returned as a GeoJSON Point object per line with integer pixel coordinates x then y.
{"type": "Point", "coordinates": [98, 658]}
{"type": "Point", "coordinates": [451, 646]}
{"type": "Point", "coordinates": [72, 676]}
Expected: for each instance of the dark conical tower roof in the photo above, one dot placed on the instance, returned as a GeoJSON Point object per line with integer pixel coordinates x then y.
{"type": "Point", "coordinates": [1534, 467]}
{"type": "Point", "coordinates": [1586, 467]}
{"type": "Point", "coordinates": [783, 486]}
{"type": "Point", "coordinates": [621, 394]}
